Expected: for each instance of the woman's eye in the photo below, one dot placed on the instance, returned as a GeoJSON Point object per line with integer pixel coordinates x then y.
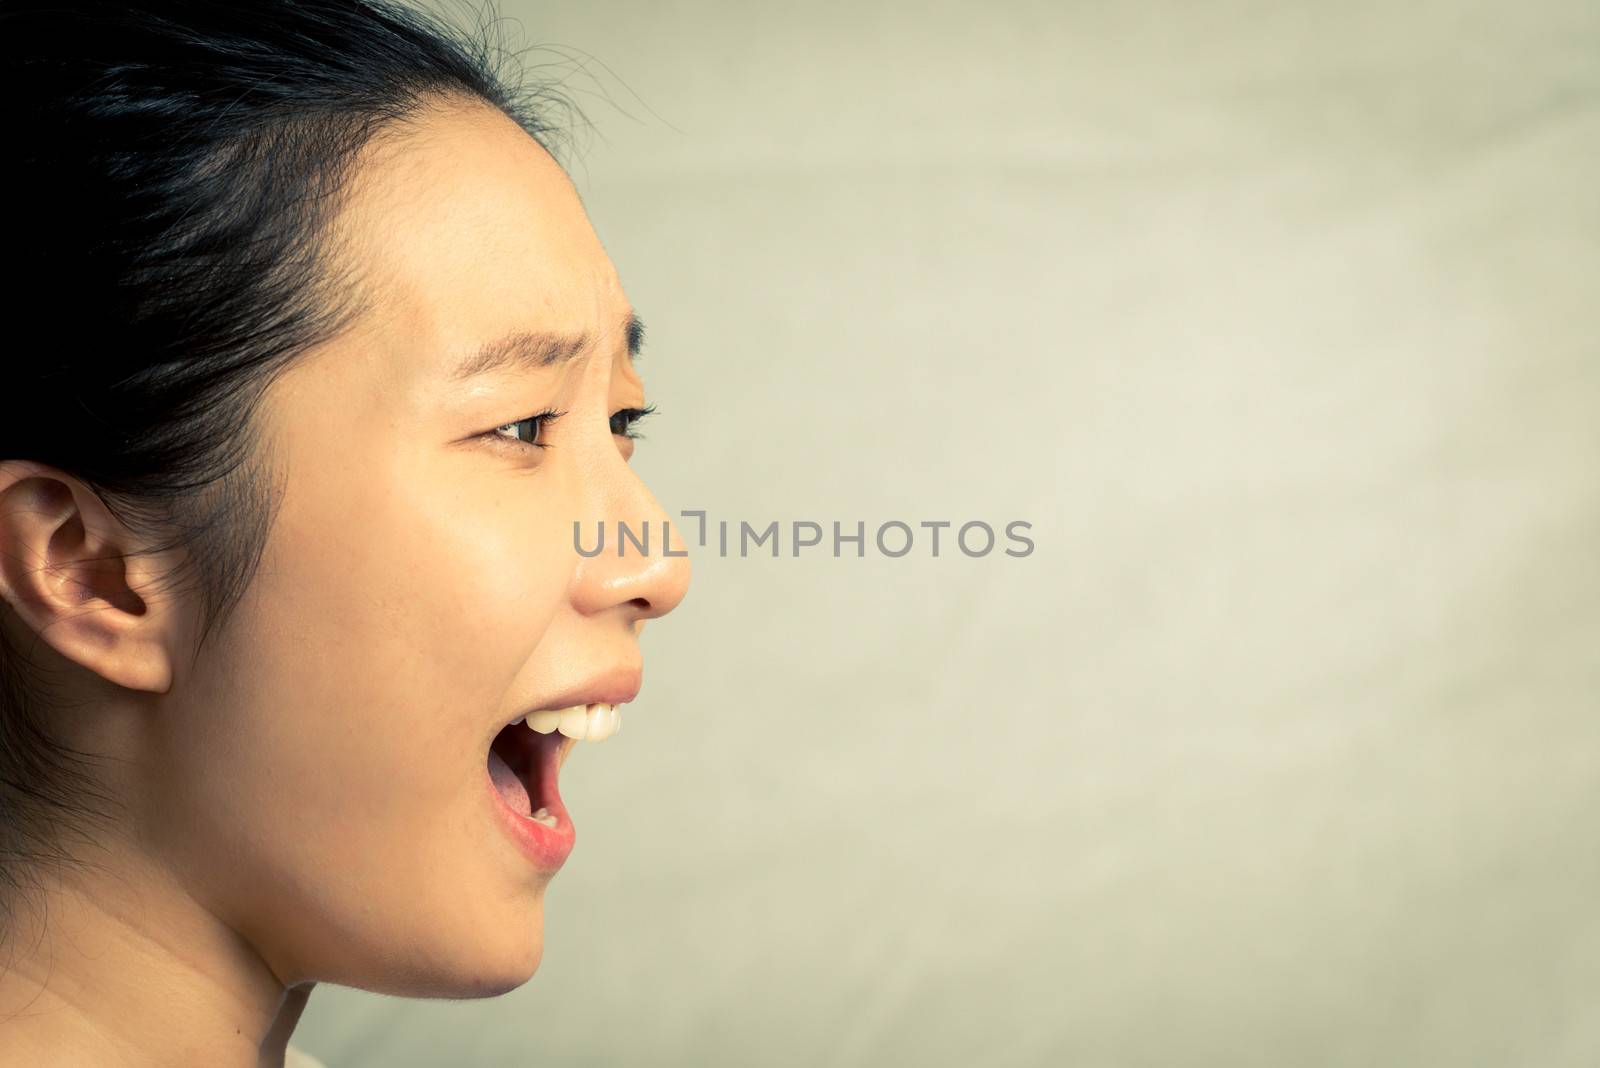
{"type": "Point", "coordinates": [622, 421]}
{"type": "Point", "coordinates": [529, 431]}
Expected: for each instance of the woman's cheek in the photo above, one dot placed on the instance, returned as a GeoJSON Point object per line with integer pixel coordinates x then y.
{"type": "Point", "coordinates": [500, 572]}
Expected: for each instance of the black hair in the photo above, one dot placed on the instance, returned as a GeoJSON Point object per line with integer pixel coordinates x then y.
{"type": "Point", "coordinates": [174, 168]}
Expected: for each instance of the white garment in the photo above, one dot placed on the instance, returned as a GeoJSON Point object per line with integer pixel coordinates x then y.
{"type": "Point", "coordinates": [295, 1058]}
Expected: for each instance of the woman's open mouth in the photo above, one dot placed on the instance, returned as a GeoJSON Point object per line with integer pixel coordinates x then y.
{"type": "Point", "coordinates": [524, 768]}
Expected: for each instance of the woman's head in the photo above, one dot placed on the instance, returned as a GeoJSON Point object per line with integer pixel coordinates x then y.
{"type": "Point", "coordinates": [275, 570]}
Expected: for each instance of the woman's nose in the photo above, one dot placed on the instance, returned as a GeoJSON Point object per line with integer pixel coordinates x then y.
{"type": "Point", "coordinates": [631, 557]}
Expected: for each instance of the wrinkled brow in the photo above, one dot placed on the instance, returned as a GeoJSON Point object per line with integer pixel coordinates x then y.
{"type": "Point", "coordinates": [530, 350]}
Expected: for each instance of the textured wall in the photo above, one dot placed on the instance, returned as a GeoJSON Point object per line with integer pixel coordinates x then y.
{"type": "Point", "coordinates": [1277, 321]}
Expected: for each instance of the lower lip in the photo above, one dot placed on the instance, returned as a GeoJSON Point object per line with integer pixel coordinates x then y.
{"type": "Point", "coordinates": [546, 847]}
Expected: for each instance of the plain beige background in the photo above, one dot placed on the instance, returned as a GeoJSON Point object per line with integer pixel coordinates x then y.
{"type": "Point", "coordinates": [1278, 323]}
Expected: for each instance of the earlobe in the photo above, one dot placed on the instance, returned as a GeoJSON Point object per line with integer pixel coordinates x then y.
{"type": "Point", "coordinates": [70, 572]}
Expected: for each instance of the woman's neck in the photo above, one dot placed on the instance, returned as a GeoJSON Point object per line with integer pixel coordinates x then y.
{"type": "Point", "coordinates": [102, 968]}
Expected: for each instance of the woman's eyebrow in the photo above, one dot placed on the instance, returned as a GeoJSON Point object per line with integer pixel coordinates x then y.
{"type": "Point", "coordinates": [634, 328]}
{"type": "Point", "coordinates": [530, 350]}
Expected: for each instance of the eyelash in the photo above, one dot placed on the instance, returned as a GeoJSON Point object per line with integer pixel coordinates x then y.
{"type": "Point", "coordinates": [630, 416]}
{"type": "Point", "coordinates": [542, 421]}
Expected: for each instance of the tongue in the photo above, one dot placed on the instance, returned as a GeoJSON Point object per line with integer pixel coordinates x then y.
{"type": "Point", "coordinates": [510, 787]}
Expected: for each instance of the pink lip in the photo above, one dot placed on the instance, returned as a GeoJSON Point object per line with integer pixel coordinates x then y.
{"type": "Point", "coordinates": [615, 687]}
{"type": "Point", "coordinates": [547, 847]}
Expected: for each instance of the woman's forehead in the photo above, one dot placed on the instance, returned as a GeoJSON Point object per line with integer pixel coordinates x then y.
{"type": "Point", "coordinates": [462, 228]}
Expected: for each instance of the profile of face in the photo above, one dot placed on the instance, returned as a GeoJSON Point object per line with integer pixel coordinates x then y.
{"type": "Point", "coordinates": [420, 588]}
{"type": "Point", "coordinates": [318, 779]}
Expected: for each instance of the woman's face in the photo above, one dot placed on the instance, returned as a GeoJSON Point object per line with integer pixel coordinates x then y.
{"type": "Point", "coordinates": [325, 787]}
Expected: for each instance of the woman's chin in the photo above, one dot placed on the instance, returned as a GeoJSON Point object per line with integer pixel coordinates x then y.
{"type": "Point", "coordinates": [507, 978]}
{"type": "Point", "coordinates": [510, 958]}
{"type": "Point", "coordinates": [494, 962]}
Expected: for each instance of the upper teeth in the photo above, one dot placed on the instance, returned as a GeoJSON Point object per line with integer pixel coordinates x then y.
{"type": "Point", "coordinates": [584, 723]}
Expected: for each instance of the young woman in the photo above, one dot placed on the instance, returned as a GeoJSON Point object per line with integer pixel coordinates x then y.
{"type": "Point", "coordinates": [313, 362]}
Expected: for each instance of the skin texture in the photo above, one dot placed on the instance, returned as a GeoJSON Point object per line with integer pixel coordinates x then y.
{"type": "Point", "coordinates": [306, 801]}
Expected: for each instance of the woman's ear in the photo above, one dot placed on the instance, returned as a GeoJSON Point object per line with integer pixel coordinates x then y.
{"type": "Point", "coordinates": [71, 573]}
